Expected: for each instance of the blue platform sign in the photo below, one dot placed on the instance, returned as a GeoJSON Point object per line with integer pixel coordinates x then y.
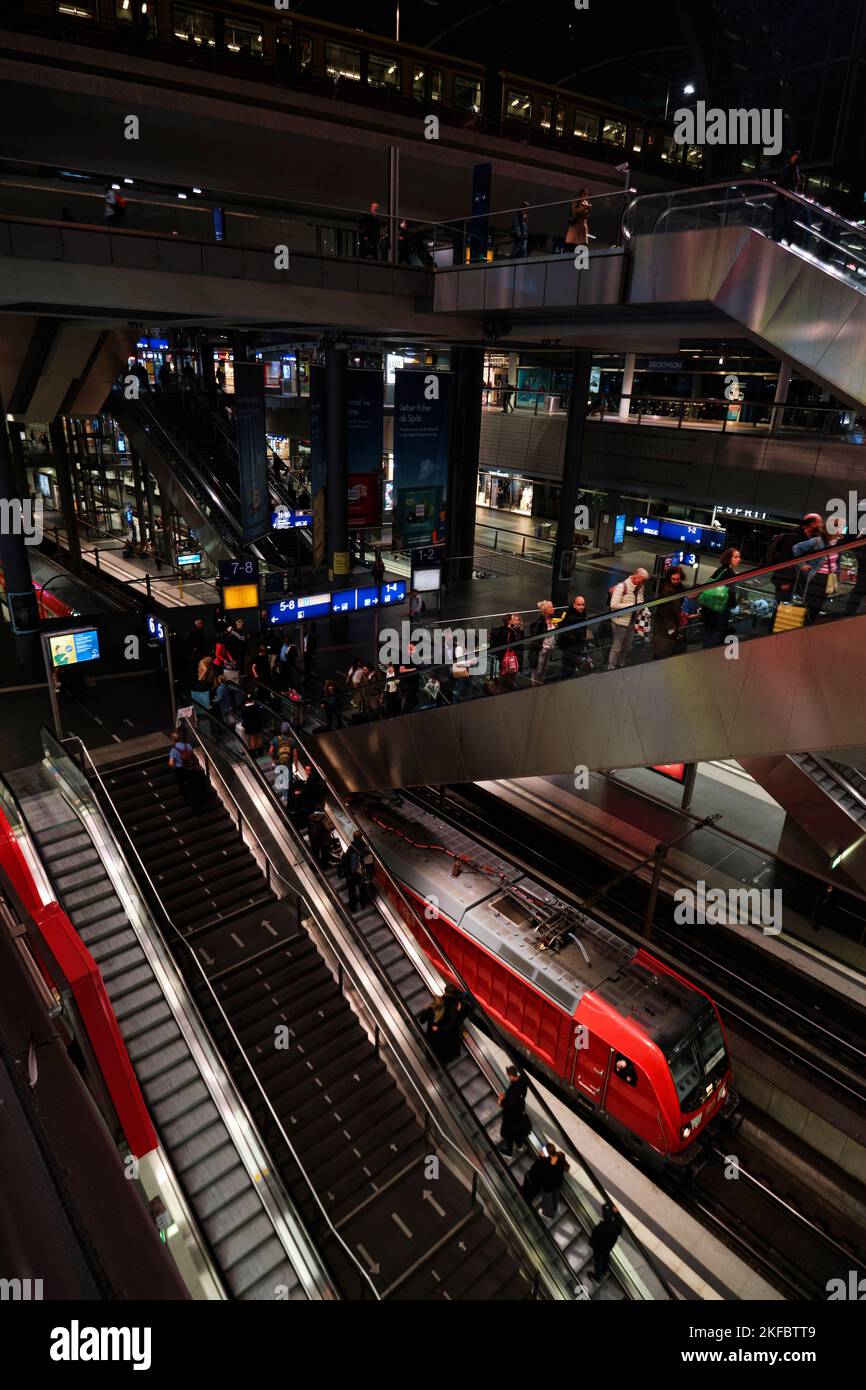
{"type": "Point", "coordinates": [395, 592]}
{"type": "Point", "coordinates": [155, 628]}
{"type": "Point", "coordinates": [422, 418]}
{"type": "Point", "coordinates": [685, 532]}
{"type": "Point", "coordinates": [249, 407]}
{"type": "Point", "coordinates": [355, 600]}
{"type": "Point", "coordinates": [293, 610]}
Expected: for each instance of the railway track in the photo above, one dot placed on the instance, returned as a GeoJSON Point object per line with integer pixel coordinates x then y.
{"type": "Point", "coordinates": [821, 1034]}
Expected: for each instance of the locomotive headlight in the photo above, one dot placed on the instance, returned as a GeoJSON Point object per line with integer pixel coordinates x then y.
{"type": "Point", "coordinates": [686, 1131]}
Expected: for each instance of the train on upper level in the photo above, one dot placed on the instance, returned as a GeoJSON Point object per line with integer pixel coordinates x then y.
{"type": "Point", "coordinates": [243, 39]}
{"type": "Point", "coordinates": [616, 1030]}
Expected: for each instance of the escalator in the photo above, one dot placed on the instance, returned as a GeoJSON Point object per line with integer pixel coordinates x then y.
{"type": "Point", "coordinates": [252, 1239]}
{"type": "Point", "coordinates": [344, 1139]}
{"type": "Point", "coordinates": [825, 798]}
{"type": "Point", "coordinates": [472, 1083]}
{"type": "Point", "coordinates": [709, 251]}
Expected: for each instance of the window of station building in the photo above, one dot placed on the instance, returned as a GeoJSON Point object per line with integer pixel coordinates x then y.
{"type": "Point", "coordinates": [419, 81]}
{"type": "Point", "coordinates": [585, 125]}
{"type": "Point", "coordinates": [243, 39]}
{"type": "Point", "coordinates": [467, 94]}
{"type": "Point", "coordinates": [613, 132]}
{"type": "Point", "coordinates": [383, 72]}
{"type": "Point", "coordinates": [341, 61]}
{"type": "Point", "coordinates": [518, 106]}
{"type": "Point", "coordinates": [194, 26]}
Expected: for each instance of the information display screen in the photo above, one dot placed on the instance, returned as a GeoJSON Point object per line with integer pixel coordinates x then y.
{"type": "Point", "coordinates": [395, 592]}
{"type": "Point", "coordinates": [190, 557]}
{"type": "Point", "coordinates": [619, 529]}
{"type": "Point", "coordinates": [426, 581]}
{"type": "Point", "coordinates": [293, 610]}
{"type": "Point", "coordinates": [69, 648]}
{"type": "Point", "coordinates": [684, 532]}
{"type": "Point", "coordinates": [285, 520]}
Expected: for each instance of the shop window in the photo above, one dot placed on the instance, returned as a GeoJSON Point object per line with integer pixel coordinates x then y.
{"type": "Point", "coordinates": [585, 126]}
{"type": "Point", "coordinates": [77, 9]}
{"type": "Point", "coordinates": [343, 62]}
{"type": "Point", "coordinates": [419, 81]}
{"type": "Point", "coordinates": [435, 84]}
{"type": "Point", "coordinates": [545, 119]}
{"type": "Point", "coordinates": [467, 94]}
{"type": "Point", "coordinates": [194, 26]}
{"type": "Point", "coordinates": [383, 73]}
{"type": "Point", "coordinates": [613, 132]}
{"type": "Point", "coordinates": [518, 106]}
{"type": "Point", "coordinates": [560, 119]}
{"type": "Point", "coordinates": [243, 39]}
{"type": "Point", "coordinates": [305, 53]}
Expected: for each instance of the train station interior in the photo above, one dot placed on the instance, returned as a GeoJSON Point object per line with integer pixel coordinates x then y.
{"type": "Point", "coordinates": [361, 368]}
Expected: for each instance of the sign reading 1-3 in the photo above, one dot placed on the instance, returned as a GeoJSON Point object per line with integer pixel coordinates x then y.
{"type": "Point", "coordinates": [243, 571]}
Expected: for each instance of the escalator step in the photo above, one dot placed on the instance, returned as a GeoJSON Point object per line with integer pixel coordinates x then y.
{"type": "Point", "coordinates": [178, 1070]}
{"type": "Point", "coordinates": [125, 972]}
{"type": "Point", "coordinates": [93, 912]}
{"type": "Point", "coordinates": [102, 929]}
{"type": "Point", "coordinates": [154, 1048]}
{"type": "Point", "coordinates": [139, 998]}
{"type": "Point", "coordinates": [122, 942]}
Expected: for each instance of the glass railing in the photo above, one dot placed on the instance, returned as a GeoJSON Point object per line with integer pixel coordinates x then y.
{"type": "Point", "coordinates": [818, 233]}
{"type": "Point", "coordinates": [433, 667]}
{"type": "Point", "coordinates": [649, 1282]}
{"type": "Point", "coordinates": [530, 230]}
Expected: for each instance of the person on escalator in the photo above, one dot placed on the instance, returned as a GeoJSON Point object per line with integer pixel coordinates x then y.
{"type": "Point", "coordinates": [260, 670]}
{"type": "Point", "coordinates": [228, 700]}
{"type": "Point", "coordinates": [667, 618]}
{"type": "Point", "coordinates": [442, 1022]}
{"type": "Point", "coordinates": [819, 577]}
{"type": "Point", "coordinates": [237, 641]}
{"type": "Point", "coordinates": [781, 547]}
{"type": "Point", "coordinates": [785, 209]}
{"type": "Point", "coordinates": [716, 605]}
{"type": "Point", "coordinates": [319, 830]}
{"type": "Point", "coordinates": [546, 1177]}
{"type": "Point", "coordinates": [603, 1238]}
{"type": "Point", "coordinates": [253, 722]}
{"type": "Point", "coordinates": [187, 774]}
{"type": "Point", "coordinates": [357, 866]}
{"type": "Point", "coordinates": [515, 1121]}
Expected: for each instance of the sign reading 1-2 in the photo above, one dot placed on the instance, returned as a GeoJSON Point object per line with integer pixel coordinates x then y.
{"type": "Point", "coordinates": [244, 571]}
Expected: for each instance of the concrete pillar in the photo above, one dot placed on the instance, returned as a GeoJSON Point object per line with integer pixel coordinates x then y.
{"type": "Point", "coordinates": [780, 399]}
{"type": "Point", "coordinates": [14, 558]}
{"type": "Point", "coordinates": [19, 462]}
{"type": "Point", "coordinates": [467, 369]}
{"type": "Point", "coordinates": [563, 553]}
{"type": "Point", "coordinates": [337, 476]}
{"type": "Point", "coordinates": [63, 469]}
{"type": "Point", "coordinates": [627, 385]}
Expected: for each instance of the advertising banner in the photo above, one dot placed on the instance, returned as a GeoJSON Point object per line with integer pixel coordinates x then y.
{"type": "Point", "coordinates": [249, 404]}
{"type": "Point", "coordinates": [422, 412]}
{"type": "Point", "coordinates": [364, 441]}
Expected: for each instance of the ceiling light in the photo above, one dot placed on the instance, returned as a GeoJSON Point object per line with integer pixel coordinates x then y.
{"type": "Point", "coordinates": [181, 195]}
{"type": "Point", "coordinates": [688, 90]}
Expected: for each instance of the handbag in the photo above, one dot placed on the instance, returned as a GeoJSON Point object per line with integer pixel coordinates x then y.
{"type": "Point", "coordinates": [716, 599]}
{"type": "Point", "coordinates": [832, 585]}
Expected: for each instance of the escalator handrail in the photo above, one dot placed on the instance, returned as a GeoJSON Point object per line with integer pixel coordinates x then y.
{"type": "Point", "coordinates": [396, 1000]}
{"type": "Point", "coordinates": [555, 1127]}
{"type": "Point", "coordinates": [94, 772]}
{"type": "Point", "coordinates": [763, 186]}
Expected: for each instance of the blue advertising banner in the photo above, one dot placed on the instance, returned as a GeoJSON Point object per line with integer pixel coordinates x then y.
{"type": "Point", "coordinates": [249, 405]}
{"type": "Point", "coordinates": [422, 415]}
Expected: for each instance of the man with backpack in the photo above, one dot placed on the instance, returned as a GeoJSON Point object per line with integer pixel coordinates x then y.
{"type": "Point", "coordinates": [182, 761]}
{"type": "Point", "coordinates": [282, 749]}
{"type": "Point", "coordinates": [624, 596]}
{"type": "Point", "coordinates": [781, 547]}
{"type": "Point", "coordinates": [357, 867]}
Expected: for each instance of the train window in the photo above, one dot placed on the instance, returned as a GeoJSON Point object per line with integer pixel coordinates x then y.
{"type": "Point", "coordinates": [560, 118]}
{"type": "Point", "coordinates": [341, 61]}
{"type": "Point", "coordinates": [305, 53]}
{"type": "Point", "coordinates": [545, 119]}
{"type": "Point", "coordinates": [694, 156]}
{"type": "Point", "coordinates": [624, 1069]}
{"type": "Point", "coordinates": [467, 94]}
{"type": "Point", "coordinates": [78, 9]}
{"type": "Point", "coordinates": [613, 132]}
{"type": "Point", "coordinates": [243, 39]}
{"type": "Point", "coordinates": [585, 125]}
{"type": "Point", "coordinates": [142, 11]}
{"type": "Point", "coordinates": [383, 72]}
{"type": "Point", "coordinates": [194, 26]}
{"type": "Point", "coordinates": [518, 105]}
{"type": "Point", "coordinates": [419, 82]}
{"type": "Point", "coordinates": [435, 84]}
{"type": "Point", "coordinates": [637, 139]}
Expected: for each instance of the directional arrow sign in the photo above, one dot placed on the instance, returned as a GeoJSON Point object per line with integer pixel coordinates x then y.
{"type": "Point", "coordinates": [208, 960]}
{"type": "Point", "coordinates": [372, 1265]}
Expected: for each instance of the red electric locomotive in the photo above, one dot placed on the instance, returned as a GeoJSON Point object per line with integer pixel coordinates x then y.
{"type": "Point", "coordinates": [631, 1040]}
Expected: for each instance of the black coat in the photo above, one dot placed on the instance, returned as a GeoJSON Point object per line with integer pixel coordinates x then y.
{"type": "Point", "coordinates": [606, 1234]}
{"type": "Point", "coordinates": [571, 638]}
{"type": "Point", "coordinates": [547, 1176]}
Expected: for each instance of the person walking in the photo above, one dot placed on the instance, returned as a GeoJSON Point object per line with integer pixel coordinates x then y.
{"type": "Point", "coordinates": [114, 207]}
{"type": "Point", "coordinates": [624, 596]}
{"type": "Point", "coordinates": [546, 1177]}
{"type": "Point", "coordinates": [520, 231]}
{"type": "Point", "coordinates": [716, 605]}
{"type": "Point", "coordinates": [187, 775]}
{"type": "Point", "coordinates": [331, 706]}
{"type": "Point", "coordinates": [253, 722]}
{"type": "Point", "coordinates": [574, 642]}
{"type": "Point", "coordinates": [541, 651]}
{"type": "Point", "coordinates": [515, 1121]}
{"type": "Point", "coordinates": [790, 179]}
{"type": "Point", "coordinates": [667, 617]}
{"type": "Point", "coordinates": [577, 232]}
{"type": "Point", "coordinates": [228, 700]}
{"type": "Point", "coordinates": [369, 234]}
{"type": "Point", "coordinates": [603, 1238]}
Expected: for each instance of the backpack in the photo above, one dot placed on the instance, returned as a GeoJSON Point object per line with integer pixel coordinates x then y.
{"type": "Point", "coordinates": [186, 755]}
{"type": "Point", "coordinates": [510, 663]}
{"type": "Point", "coordinates": [779, 547]}
{"type": "Point", "coordinates": [284, 750]}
